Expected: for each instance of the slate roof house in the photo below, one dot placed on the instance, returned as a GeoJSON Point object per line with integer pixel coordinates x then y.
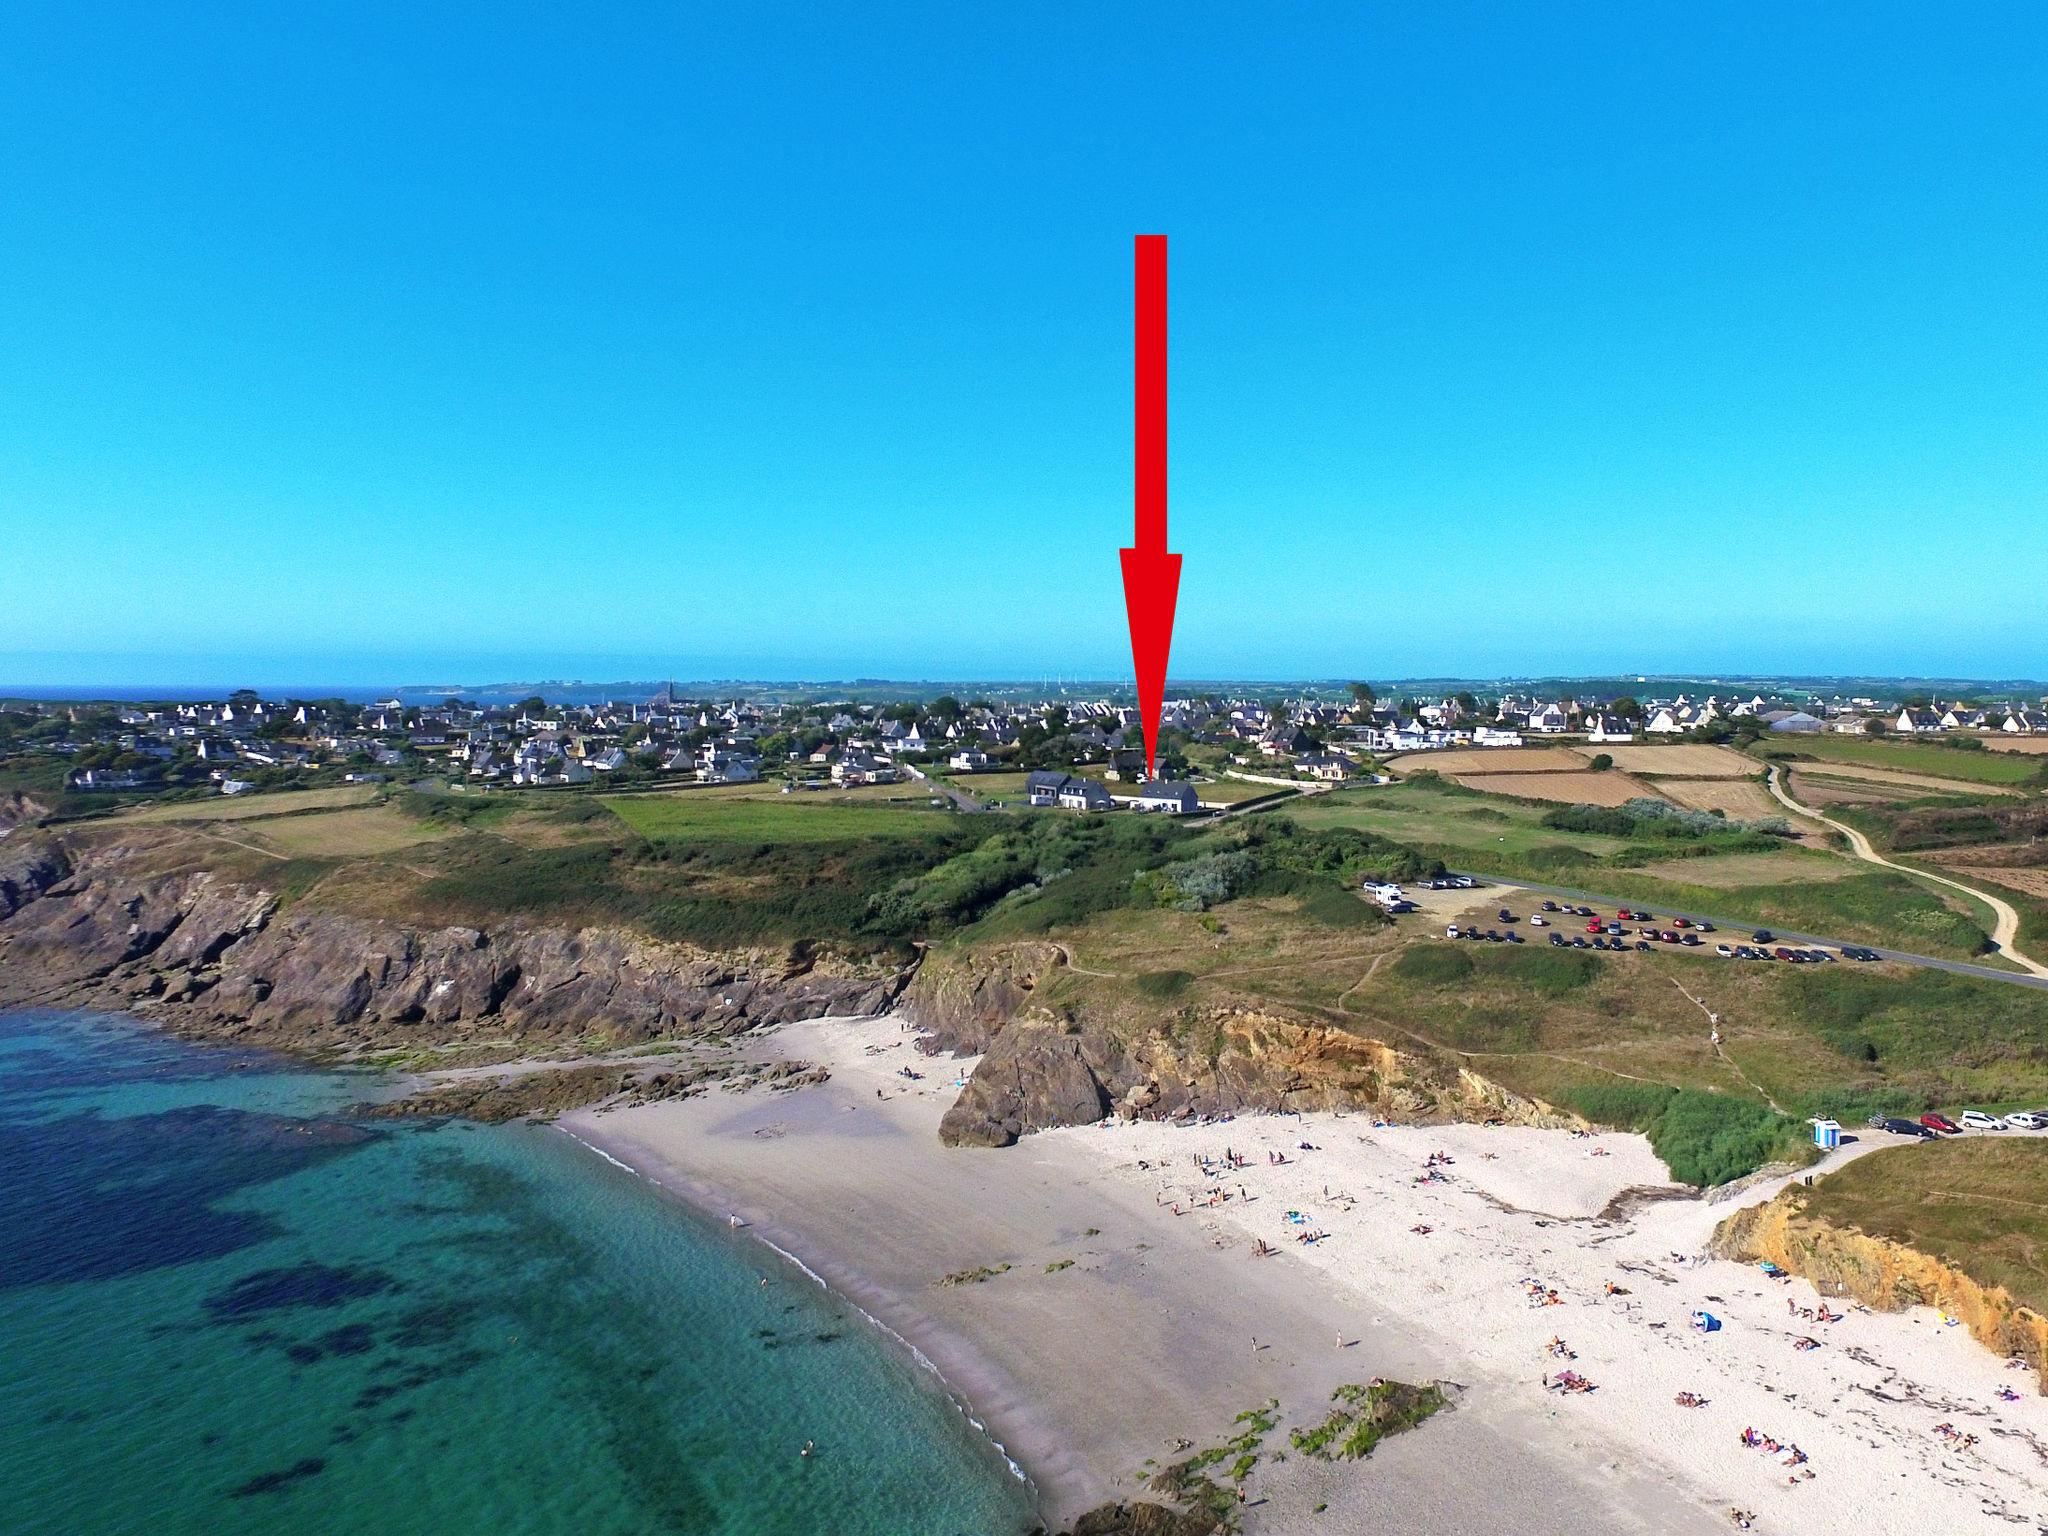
{"type": "Point", "coordinates": [1170, 798]}
{"type": "Point", "coordinates": [1045, 787]}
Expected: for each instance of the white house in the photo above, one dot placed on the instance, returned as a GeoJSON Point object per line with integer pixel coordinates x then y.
{"type": "Point", "coordinates": [1610, 728]}
{"type": "Point", "coordinates": [1917, 722]}
{"type": "Point", "coordinates": [1487, 736]}
{"type": "Point", "coordinates": [968, 760]}
{"type": "Point", "coordinates": [2025, 722]}
{"type": "Point", "coordinates": [1549, 719]}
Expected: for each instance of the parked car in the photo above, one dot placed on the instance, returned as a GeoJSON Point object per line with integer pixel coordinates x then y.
{"type": "Point", "coordinates": [1625, 914]}
{"type": "Point", "coordinates": [1580, 942]}
{"type": "Point", "coordinates": [1941, 1123]}
{"type": "Point", "coordinates": [1451, 932]}
{"type": "Point", "coordinates": [1537, 922]}
{"type": "Point", "coordinates": [1902, 1127]}
{"type": "Point", "coordinates": [1724, 951]}
{"type": "Point", "coordinates": [1585, 912]}
{"type": "Point", "coordinates": [2026, 1120]}
{"type": "Point", "coordinates": [1681, 922]}
{"type": "Point", "coordinates": [1704, 926]}
{"type": "Point", "coordinates": [1691, 939]}
{"type": "Point", "coordinates": [1514, 937]}
{"type": "Point", "coordinates": [1977, 1120]}
{"type": "Point", "coordinates": [1643, 944]}
{"type": "Point", "coordinates": [1506, 916]}
{"type": "Point", "coordinates": [1763, 936]}
{"type": "Point", "coordinates": [1557, 939]}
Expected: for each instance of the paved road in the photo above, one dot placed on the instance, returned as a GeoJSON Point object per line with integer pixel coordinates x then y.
{"type": "Point", "coordinates": [1735, 930]}
{"type": "Point", "coordinates": [2006, 931]}
{"type": "Point", "coordinates": [959, 797]}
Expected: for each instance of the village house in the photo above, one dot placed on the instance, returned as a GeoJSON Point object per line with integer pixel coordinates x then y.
{"type": "Point", "coordinates": [1070, 791]}
{"type": "Point", "coordinates": [861, 768]}
{"type": "Point", "coordinates": [1168, 797]}
{"type": "Point", "coordinates": [1328, 766]}
{"type": "Point", "coordinates": [1917, 722]}
{"type": "Point", "coordinates": [1605, 727]}
{"type": "Point", "coordinates": [2025, 722]}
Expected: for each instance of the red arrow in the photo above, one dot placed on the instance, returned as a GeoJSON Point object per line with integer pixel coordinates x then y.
{"type": "Point", "coordinates": [1151, 575]}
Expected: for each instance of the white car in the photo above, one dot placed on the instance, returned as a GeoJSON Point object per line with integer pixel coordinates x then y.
{"type": "Point", "coordinates": [1537, 922]}
{"type": "Point", "coordinates": [1977, 1120]}
{"type": "Point", "coordinates": [1451, 932]}
{"type": "Point", "coordinates": [2026, 1120]}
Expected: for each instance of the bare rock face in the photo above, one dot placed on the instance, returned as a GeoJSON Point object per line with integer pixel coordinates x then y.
{"type": "Point", "coordinates": [1036, 1075]}
{"type": "Point", "coordinates": [960, 1005]}
{"type": "Point", "coordinates": [27, 869]}
{"type": "Point", "coordinates": [210, 956]}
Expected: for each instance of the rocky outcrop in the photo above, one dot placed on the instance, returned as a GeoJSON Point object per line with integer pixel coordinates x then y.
{"type": "Point", "coordinates": [960, 1002]}
{"type": "Point", "coordinates": [1143, 1519]}
{"type": "Point", "coordinates": [92, 925]}
{"type": "Point", "coordinates": [20, 810]}
{"type": "Point", "coordinates": [1886, 1275]}
{"type": "Point", "coordinates": [1048, 1070]}
{"type": "Point", "coordinates": [27, 869]}
{"type": "Point", "coordinates": [551, 1091]}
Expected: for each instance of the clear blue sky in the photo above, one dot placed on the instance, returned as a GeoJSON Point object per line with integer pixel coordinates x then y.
{"type": "Point", "coordinates": [403, 342]}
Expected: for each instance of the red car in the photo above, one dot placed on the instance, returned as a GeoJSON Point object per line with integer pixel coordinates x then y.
{"type": "Point", "coordinates": [1595, 926]}
{"type": "Point", "coordinates": [1625, 915]}
{"type": "Point", "coordinates": [1941, 1123]}
{"type": "Point", "coordinates": [1681, 922]}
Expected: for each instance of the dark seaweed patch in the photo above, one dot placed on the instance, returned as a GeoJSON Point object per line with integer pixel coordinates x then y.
{"type": "Point", "coordinates": [278, 1481]}
{"type": "Point", "coordinates": [299, 1285]}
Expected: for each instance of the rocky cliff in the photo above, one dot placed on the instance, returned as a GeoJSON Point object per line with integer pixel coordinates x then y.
{"type": "Point", "coordinates": [1880, 1273]}
{"type": "Point", "coordinates": [93, 924]}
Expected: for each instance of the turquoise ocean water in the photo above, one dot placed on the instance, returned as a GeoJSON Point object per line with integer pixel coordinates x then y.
{"type": "Point", "coordinates": [227, 1307]}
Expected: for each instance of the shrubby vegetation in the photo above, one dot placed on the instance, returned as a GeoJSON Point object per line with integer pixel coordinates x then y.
{"type": "Point", "coordinates": [1195, 885]}
{"type": "Point", "coordinates": [1645, 817]}
{"type": "Point", "coordinates": [1704, 1138]}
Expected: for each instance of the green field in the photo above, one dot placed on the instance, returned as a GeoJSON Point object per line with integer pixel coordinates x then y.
{"type": "Point", "coordinates": [1446, 819]}
{"type": "Point", "coordinates": [1981, 767]}
{"type": "Point", "coordinates": [749, 815]}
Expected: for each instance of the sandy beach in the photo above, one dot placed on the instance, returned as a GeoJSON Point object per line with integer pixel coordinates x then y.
{"type": "Point", "coordinates": [1159, 1325]}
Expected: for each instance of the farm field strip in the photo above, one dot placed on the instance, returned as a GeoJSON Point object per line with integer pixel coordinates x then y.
{"type": "Point", "coordinates": [1984, 767]}
{"type": "Point", "coordinates": [1582, 788]}
{"type": "Point", "coordinates": [1491, 760]}
{"type": "Point", "coordinates": [1743, 799]}
{"type": "Point", "coordinates": [1696, 760]}
{"type": "Point", "coordinates": [1858, 773]}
